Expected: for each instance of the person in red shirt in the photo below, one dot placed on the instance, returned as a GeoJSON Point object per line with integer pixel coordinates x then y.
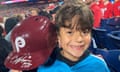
{"type": "Point", "coordinates": [100, 3]}
{"type": "Point", "coordinates": [107, 9]}
{"type": "Point", "coordinates": [96, 12]}
{"type": "Point", "coordinates": [107, 13]}
{"type": "Point", "coordinates": [116, 8]}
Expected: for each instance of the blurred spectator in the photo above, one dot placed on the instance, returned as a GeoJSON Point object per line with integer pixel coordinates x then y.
{"type": "Point", "coordinates": [46, 14]}
{"type": "Point", "coordinates": [1, 22]}
{"type": "Point", "coordinates": [112, 1]}
{"type": "Point", "coordinates": [107, 12]}
{"type": "Point", "coordinates": [9, 25]}
{"type": "Point", "coordinates": [1, 31]}
{"type": "Point", "coordinates": [2, 25]}
{"type": "Point", "coordinates": [34, 12]}
{"type": "Point", "coordinates": [20, 17]}
{"type": "Point", "coordinates": [4, 51]}
{"type": "Point", "coordinates": [1, 19]}
{"type": "Point", "coordinates": [96, 12]}
{"type": "Point", "coordinates": [100, 3]}
{"type": "Point", "coordinates": [53, 12]}
{"type": "Point", "coordinates": [107, 9]}
{"type": "Point", "coordinates": [51, 6]}
{"type": "Point", "coordinates": [116, 8]}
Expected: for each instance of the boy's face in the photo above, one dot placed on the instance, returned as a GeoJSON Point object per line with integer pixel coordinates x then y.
{"type": "Point", "coordinates": [74, 43]}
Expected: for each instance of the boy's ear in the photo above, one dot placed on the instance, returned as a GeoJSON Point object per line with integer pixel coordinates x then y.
{"type": "Point", "coordinates": [59, 43]}
{"type": "Point", "coordinates": [58, 38]}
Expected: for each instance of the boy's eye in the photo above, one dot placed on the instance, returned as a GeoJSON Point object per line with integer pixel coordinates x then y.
{"type": "Point", "coordinates": [69, 32]}
{"type": "Point", "coordinates": [86, 31]}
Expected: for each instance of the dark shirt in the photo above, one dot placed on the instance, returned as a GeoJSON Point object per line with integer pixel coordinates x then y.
{"type": "Point", "coordinates": [5, 49]}
{"type": "Point", "coordinates": [71, 63]}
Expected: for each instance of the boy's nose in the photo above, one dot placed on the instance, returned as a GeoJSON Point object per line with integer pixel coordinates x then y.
{"type": "Point", "coordinates": [79, 37]}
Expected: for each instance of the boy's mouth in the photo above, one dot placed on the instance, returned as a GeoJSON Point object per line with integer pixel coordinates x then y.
{"type": "Point", "coordinates": [77, 47]}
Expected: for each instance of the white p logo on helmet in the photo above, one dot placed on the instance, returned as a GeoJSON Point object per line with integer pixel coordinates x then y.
{"type": "Point", "coordinates": [19, 43]}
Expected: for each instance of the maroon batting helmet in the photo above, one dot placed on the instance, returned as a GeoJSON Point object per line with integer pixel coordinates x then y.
{"type": "Point", "coordinates": [33, 41]}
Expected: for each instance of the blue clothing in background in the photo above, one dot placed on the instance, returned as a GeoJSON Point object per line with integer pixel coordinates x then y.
{"type": "Point", "coordinates": [89, 64]}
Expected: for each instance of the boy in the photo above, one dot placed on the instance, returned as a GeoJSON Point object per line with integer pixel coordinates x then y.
{"type": "Point", "coordinates": [74, 24]}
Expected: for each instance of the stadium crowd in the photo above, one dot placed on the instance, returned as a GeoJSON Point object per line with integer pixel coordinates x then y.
{"type": "Point", "coordinates": [105, 32]}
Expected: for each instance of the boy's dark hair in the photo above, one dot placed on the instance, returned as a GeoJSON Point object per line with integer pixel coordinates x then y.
{"type": "Point", "coordinates": [82, 14]}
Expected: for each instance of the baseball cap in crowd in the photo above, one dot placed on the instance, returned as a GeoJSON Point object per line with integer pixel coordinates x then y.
{"type": "Point", "coordinates": [33, 41]}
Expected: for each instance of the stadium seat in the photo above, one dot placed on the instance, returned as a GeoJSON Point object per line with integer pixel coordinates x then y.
{"type": "Point", "coordinates": [103, 23]}
{"type": "Point", "coordinates": [113, 24]}
{"type": "Point", "coordinates": [112, 58]}
{"type": "Point", "coordinates": [114, 38]}
{"type": "Point", "coordinates": [93, 46]}
{"type": "Point", "coordinates": [100, 36]}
